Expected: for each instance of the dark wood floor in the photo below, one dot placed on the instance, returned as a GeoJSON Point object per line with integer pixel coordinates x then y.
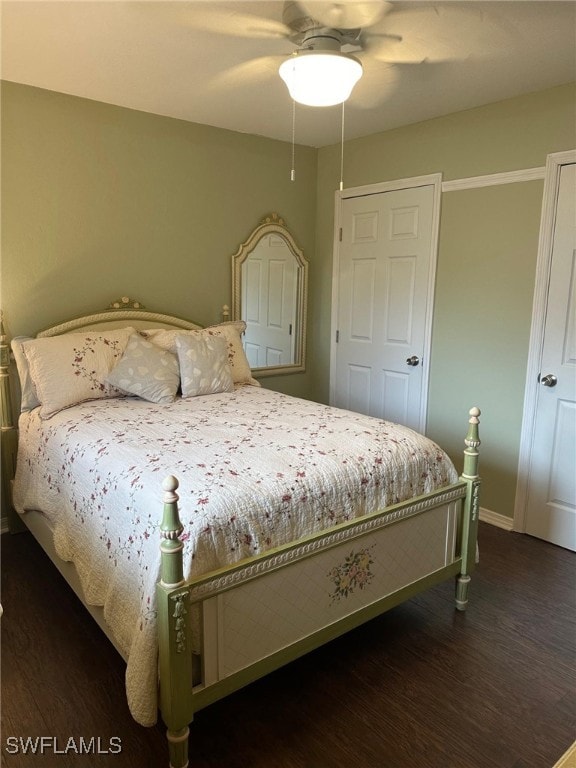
{"type": "Point", "coordinates": [420, 687]}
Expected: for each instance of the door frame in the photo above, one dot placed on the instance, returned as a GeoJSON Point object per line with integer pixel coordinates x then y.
{"type": "Point", "coordinates": [431, 180]}
{"type": "Point", "coordinates": [554, 163]}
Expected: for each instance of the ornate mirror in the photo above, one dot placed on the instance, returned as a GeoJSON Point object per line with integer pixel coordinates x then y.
{"type": "Point", "coordinates": [269, 291]}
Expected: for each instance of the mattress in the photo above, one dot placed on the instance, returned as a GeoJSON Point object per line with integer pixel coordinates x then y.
{"type": "Point", "coordinates": [257, 469]}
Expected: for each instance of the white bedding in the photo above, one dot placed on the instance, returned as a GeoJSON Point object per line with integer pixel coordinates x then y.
{"type": "Point", "coordinates": [256, 468]}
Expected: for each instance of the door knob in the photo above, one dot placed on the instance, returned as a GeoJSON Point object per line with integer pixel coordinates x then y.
{"type": "Point", "coordinates": [549, 380]}
{"type": "Point", "coordinates": [413, 360]}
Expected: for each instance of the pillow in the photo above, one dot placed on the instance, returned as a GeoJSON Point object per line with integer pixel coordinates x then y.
{"type": "Point", "coordinates": [72, 368]}
{"type": "Point", "coordinates": [28, 396]}
{"type": "Point", "coordinates": [230, 331]}
{"type": "Point", "coordinates": [204, 365]}
{"type": "Point", "coordinates": [147, 371]}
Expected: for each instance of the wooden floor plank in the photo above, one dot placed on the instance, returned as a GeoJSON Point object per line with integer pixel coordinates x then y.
{"type": "Point", "coordinates": [422, 686]}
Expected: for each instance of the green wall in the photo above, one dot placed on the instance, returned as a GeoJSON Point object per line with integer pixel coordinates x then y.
{"type": "Point", "coordinates": [481, 329]}
{"type": "Point", "coordinates": [100, 202]}
{"type": "Point", "coordinates": [486, 262]}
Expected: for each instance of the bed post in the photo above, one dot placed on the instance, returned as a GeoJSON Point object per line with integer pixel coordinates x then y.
{"type": "Point", "coordinates": [9, 440]}
{"type": "Point", "coordinates": [470, 510]}
{"type": "Point", "coordinates": [174, 632]}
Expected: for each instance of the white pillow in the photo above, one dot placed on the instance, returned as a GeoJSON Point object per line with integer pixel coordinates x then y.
{"type": "Point", "coordinates": [231, 331]}
{"type": "Point", "coordinates": [28, 396]}
{"type": "Point", "coordinates": [147, 371]}
{"type": "Point", "coordinates": [204, 365]}
{"type": "Point", "coordinates": [72, 368]}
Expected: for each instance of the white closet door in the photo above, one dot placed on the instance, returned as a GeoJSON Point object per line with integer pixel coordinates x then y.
{"type": "Point", "coordinates": [551, 498]}
{"type": "Point", "coordinates": [384, 283]}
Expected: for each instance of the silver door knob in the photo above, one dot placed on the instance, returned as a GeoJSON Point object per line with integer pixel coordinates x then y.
{"type": "Point", "coordinates": [413, 360]}
{"type": "Point", "coordinates": [549, 380]}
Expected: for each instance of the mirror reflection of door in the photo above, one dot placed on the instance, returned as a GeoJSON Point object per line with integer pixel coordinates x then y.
{"type": "Point", "coordinates": [270, 293]}
{"type": "Point", "coordinates": [269, 303]}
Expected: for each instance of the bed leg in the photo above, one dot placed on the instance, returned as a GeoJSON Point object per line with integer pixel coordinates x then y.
{"type": "Point", "coordinates": [462, 583]}
{"type": "Point", "coordinates": [471, 509]}
{"type": "Point", "coordinates": [178, 747]}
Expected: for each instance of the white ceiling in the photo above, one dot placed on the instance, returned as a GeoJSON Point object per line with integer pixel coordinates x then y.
{"type": "Point", "coordinates": [217, 62]}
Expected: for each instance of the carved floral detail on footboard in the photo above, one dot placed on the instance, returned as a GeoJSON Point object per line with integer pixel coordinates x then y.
{"type": "Point", "coordinates": [180, 621]}
{"type": "Point", "coordinates": [354, 573]}
{"type": "Point", "coordinates": [475, 500]}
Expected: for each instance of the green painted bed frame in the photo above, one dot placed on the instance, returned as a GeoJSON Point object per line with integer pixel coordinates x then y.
{"type": "Point", "coordinates": [180, 698]}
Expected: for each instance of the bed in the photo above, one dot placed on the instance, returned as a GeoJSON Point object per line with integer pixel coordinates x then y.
{"type": "Point", "coordinates": [216, 529]}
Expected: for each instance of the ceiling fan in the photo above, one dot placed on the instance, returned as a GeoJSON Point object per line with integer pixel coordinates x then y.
{"type": "Point", "coordinates": [320, 72]}
{"type": "Point", "coordinates": [389, 37]}
{"type": "Point", "coordinates": [335, 39]}
{"type": "Point", "coordinates": [376, 39]}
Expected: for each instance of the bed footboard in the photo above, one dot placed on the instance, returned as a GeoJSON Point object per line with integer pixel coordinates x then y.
{"type": "Point", "coordinates": [305, 593]}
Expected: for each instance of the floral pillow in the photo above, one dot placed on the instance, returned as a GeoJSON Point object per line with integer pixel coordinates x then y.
{"type": "Point", "coordinates": [231, 331]}
{"type": "Point", "coordinates": [69, 369]}
{"type": "Point", "coordinates": [147, 371]}
{"type": "Point", "coordinates": [28, 396]}
{"type": "Point", "coordinates": [204, 365]}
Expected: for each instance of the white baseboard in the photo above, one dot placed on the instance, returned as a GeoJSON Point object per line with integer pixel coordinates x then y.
{"type": "Point", "coordinates": [495, 518]}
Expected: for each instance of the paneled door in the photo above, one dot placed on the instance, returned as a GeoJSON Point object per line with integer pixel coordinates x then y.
{"type": "Point", "coordinates": [551, 494]}
{"type": "Point", "coordinates": [384, 276]}
{"type": "Point", "coordinates": [268, 300]}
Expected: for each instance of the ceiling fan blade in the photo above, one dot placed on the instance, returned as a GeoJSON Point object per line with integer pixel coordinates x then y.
{"type": "Point", "coordinates": [256, 70]}
{"type": "Point", "coordinates": [417, 32]}
{"type": "Point", "coordinates": [413, 50]}
{"type": "Point", "coordinates": [349, 14]}
{"type": "Point", "coordinates": [221, 18]}
{"type": "Point", "coordinates": [232, 22]}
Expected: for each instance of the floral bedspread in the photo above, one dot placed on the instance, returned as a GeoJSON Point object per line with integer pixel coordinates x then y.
{"type": "Point", "coordinates": [256, 469]}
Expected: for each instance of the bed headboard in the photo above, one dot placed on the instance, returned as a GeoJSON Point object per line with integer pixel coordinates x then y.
{"type": "Point", "coordinates": [120, 313]}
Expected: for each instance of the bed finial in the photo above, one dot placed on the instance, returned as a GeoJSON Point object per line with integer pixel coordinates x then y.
{"type": "Point", "coordinates": [170, 484]}
{"type": "Point", "coordinates": [225, 313]}
{"type": "Point", "coordinates": [472, 442]}
{"type": "Point", "coordinates": [170, 529]}
{"type": "Point", "coordinates": [474, 412]}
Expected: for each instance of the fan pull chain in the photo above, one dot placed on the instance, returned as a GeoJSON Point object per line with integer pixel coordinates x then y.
{"type": "Point", "coordinates": [293, 171]}
{"type": "Point", "coordinates": [342, 151]}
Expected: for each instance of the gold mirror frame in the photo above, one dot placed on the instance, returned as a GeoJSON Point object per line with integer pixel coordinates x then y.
{"type": "Point", "coordinates": [274, 224]}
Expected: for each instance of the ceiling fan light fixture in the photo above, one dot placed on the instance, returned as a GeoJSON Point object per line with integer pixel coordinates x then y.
{"type": "Point", "coordinates": [320, 78]}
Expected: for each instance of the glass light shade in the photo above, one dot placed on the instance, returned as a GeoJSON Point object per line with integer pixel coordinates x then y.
{"type": "Point", "coordinates": [320, 79]}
